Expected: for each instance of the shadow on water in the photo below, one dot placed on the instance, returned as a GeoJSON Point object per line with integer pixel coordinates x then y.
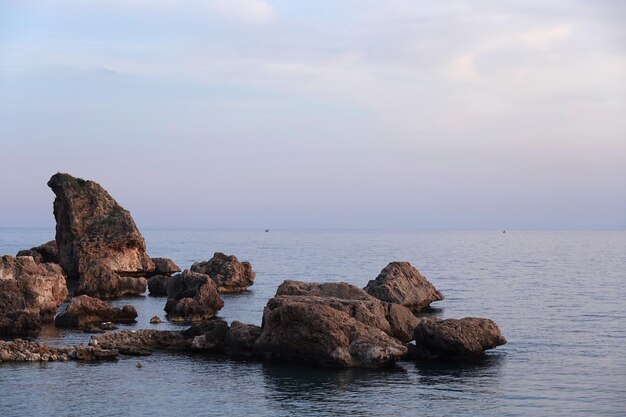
{"type": "Point", "coordinates": [461, 372]}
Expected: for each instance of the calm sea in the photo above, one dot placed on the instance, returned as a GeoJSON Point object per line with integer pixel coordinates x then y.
{"type": "Point", "coordinates": [559, 298]}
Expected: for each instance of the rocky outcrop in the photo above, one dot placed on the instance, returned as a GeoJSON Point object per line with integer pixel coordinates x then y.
{"type": "Point", "coordinates": [28, 351]}
{"type": "Point", "coordinates": [85, 312]}
{"type": "Point", "coordinates": [229, 274]}
{"type": "Point", "coordinates": [142, 342]}
{"type": "Point", "coordinates": [29, 293]}
{"type": "Point", "coordinates": [394, 319]}
{"type": "Point", "coordinates": [322, 335]}
{"type": "Point", "coordinates": [456, 338]}
{"type": "Point", "coordinates": [192, 297]}
{"type": "Point", "coordinates": [163, 266]}
{"type": "Point", "coordinates": [98, 241]}
{"type": "Point", "coordinates": [401, 283]}
{"type": "Point", "coordinates": [157, 285]}
{"type": "Point", "coordinates": [209, 336]}
{"type": "Point", "coordinates": [44, 253]}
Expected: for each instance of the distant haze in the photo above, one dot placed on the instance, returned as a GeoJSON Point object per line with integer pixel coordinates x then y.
{"type": "Point", "coordinates": [319, 114]}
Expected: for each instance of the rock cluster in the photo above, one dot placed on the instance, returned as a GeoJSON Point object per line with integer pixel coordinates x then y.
{"type": "Point", "coordinates": [30, 292]}
{"type": "Point", "coordinates": [98, 242]}
{"type": "Point", "coordinates": [28, 351]}
{"type": "Point", "coordinates": [401, 283]}
{"type": "Point", "coordinates": [192, 296]}
{"type": "Point", "coordinates": [160, 278]}
{"type": "Point", "coordinates": [86, 312]}
{"type": "Point", "coordinates": [229, 274]}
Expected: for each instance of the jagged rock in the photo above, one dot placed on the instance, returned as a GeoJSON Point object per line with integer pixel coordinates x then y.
{"type": "Point", "coordinates": [142, 342]}
{"type": "Point", "coordinates": [29, 292]}
{"type": "Point", "coordinates": [84, 311]}
{"type": "Point", "coordinates": [164, 266]}
{"type": "Point", "coordinates": [97, 239]}
{"type": "Point", "coordinates": [322, 335]}
{"type": "Point", "coordinates": [192, 297]}
{"type": "Point", "coordinates": [229, 274]}
{"type": "Point", "coordinates": [401, 283]}
{"type": "Point", "coordinates": [29, 351]}
{"type": "Point", "coordinates": [456, 338]}
{"type": "Point", "coordinates": [155, 320]}
{"type": "Point", "coordinates": [44, 253]}
{"type": "Point", "coordinates": [394, 319]}
{"type": "Point", "coordinates": [241, 339]}
{"type": "Point", "coordinates": [157, 285]}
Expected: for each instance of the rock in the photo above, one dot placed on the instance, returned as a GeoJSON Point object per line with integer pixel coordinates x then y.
{"type": "Point", "coordinates": [29, 351]}
{"type": "Point", "coordinates": [401, 283]}
{"type": "Point", "coordinates": [44, 253]}
{"type": "Point", "coordinates": [208, 336]}
{"type": "Point", "coordinates": [155, 320]}
{"type": "Point", "coordinates": [101, 282]}
{"type": "Point", "coordinates": [142, 342]}
{"type": "Point", "coordinates": [229, 274]}
{"type": "Point", "coordinates": [192, 297]}
{"type": "Point", "coordinates": [394, 319]}
{"type": "Point", "coordinates": [29, 292]}
{"type": "Point", "coordinates": [164, 266]}
{"type": "Point", "coordinates": [456, 338]}
{"type": "Point", "coordinates": [19, 323]}
{"type": "Point", "coordinates": [157, 285]}
{"type": "Point", "coordinates": [241, 339]}
{"type": "Point", "coordinates": [84, 311]}
{"type": "Point", "coordinates": [97, 239]}
{"type": "Point", "coordinates": [322, 335]}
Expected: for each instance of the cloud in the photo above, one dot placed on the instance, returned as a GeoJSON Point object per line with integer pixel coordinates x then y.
{"type": "Point", "coordinates": [541, 39]}
{"type": "Point", "coordinates": [254, 11]}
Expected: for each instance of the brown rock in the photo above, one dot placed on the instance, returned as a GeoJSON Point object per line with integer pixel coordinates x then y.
{"type": "Point", "coordinates": [142, 342]}
{"type": "Point", "coordinates": [241, 339]}
{"type": "Point", "coordinates": [229, 274]}
{"type": "Point", "coordinates": [84, 311]}
{"type": "Point", "coordinates": [164, 266]}
{"type": "Point", "coordinates": [155, 320]}
{"type": "Point", "coordinates": [157, 285]}
{"type": "Point", "coordinates": [401, 283]}
{"type": "Point", "coordinates": [29, 292]}
{"type": "Point", "coordinates": [44, 253]}
{"type": "Point", "coordinates": [322, 335]}
{"type": "Point", "coordinates": [209, 336]}
{"type": "Point", "coordinates": [394, 319]}
{"type": "Point", "coordinates": [192, 297]}
{"type": "Point", "coordinates": [456, 338]}
{"type": "Point", "coordinates": [19, 350]}
{"type": "Point", "coordinates": [97, 239]}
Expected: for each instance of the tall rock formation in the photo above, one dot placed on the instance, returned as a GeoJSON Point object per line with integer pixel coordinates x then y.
{"type": "Point", "coordinates": [97, 239]}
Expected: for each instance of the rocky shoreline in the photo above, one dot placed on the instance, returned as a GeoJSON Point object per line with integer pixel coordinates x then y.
{"type": "Point", "coordinates": [99, 250]}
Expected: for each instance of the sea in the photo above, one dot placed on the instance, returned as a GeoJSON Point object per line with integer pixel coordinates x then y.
{"type": "Point", "coordinates": [558, 297]}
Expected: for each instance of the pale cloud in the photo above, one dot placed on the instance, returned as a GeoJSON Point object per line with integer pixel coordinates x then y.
{"type": "Point", "coordinates": [540, 39]}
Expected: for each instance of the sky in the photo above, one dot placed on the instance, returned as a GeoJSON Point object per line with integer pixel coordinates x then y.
{"type": "Point", "coordinates": [349, 114]}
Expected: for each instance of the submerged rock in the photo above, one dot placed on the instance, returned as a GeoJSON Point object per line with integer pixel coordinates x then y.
{"type": "Point", "coordinates": [83, 312]}
{"type": "Point", "coordinates": [192, 297]}
{"type": "Point", "coordinates": [157, 285]}
{"type": "Point", "coordinates": [164, 266]}
{"type": "Point", "coordinates": [29, 293]}
{"type": "Point", "coordinates": [98, 241]}
{"type": "Point", "coordinates": [44, 253]}
{"type": "Point", "coordinates": [229, 274]}
{"type": "Point", "coordinates": [401, 283]}
{"type": "Point", "coordinates": [155, 320]}
{"type": "Point", "coordinates": [456, 338]}
{"type": "Point", "coordinates": [322, 335]}
{"type": "Point", "coordinates": [394, 319]}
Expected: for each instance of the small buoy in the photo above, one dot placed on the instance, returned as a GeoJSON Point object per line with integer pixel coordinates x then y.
{"type": "Point", "coordinates": [138, 365]}
{"type": "Point", "coordinates": [267, 230]}
{"type": "Point", "coordinates": [504, 231]}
